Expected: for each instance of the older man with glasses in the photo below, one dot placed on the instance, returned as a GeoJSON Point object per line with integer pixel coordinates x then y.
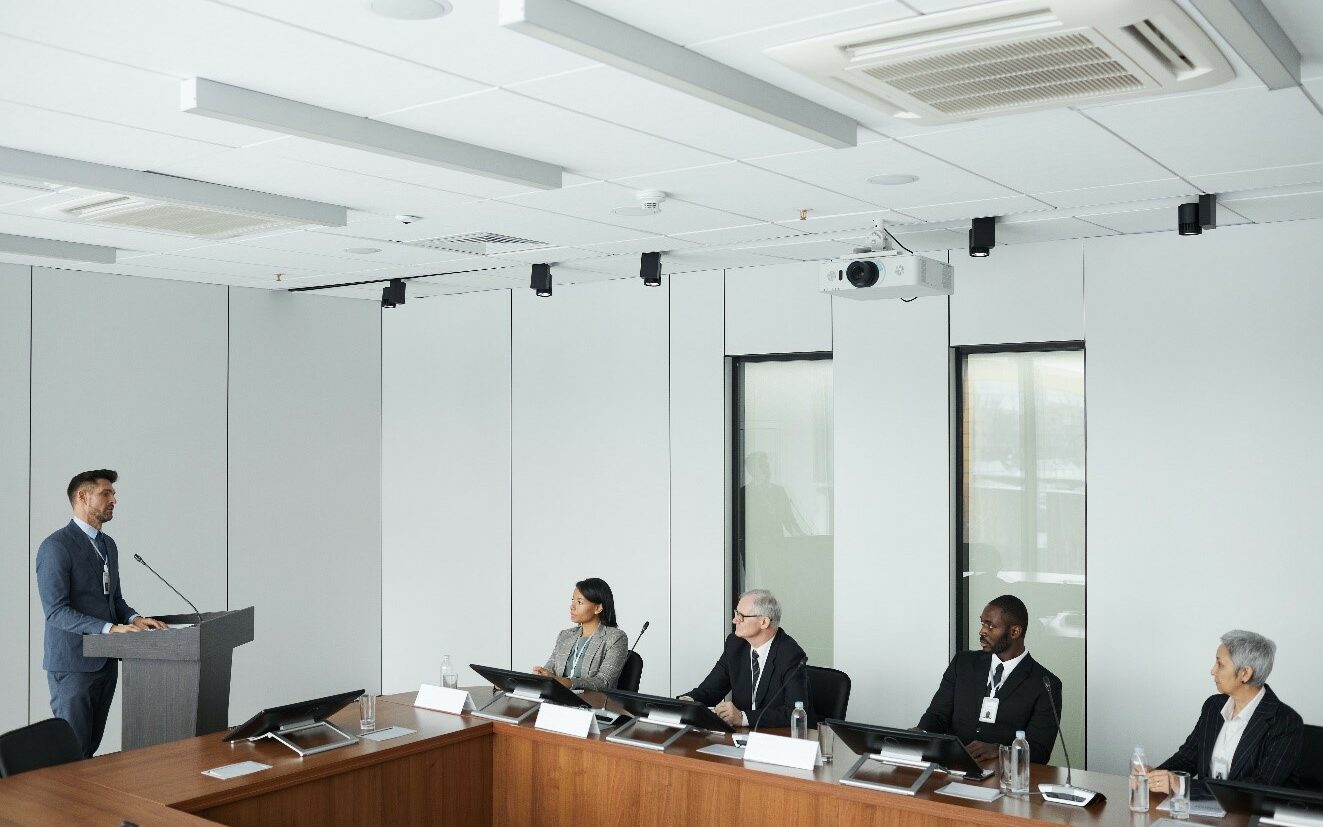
{"type": "Point", "coordinates": [761, 668]}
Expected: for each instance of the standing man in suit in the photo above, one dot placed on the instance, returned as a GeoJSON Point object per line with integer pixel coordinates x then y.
{"type": "Point", "coordinates": [78, 577]}
{"type": "Point", "coordinates": [759, 659]}
{"type": "Point", "coordinates": [986, 696]}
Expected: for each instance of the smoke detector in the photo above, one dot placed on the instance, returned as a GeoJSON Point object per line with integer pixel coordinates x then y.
{"type": "Point", "coordinates": [649, 203]}
{"type": "Point", "coordinates": [1013, 56]}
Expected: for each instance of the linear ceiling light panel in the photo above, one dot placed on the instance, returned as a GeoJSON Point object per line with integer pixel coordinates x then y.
{"type": "Point", "coordinates": [18, 163]}
{"type": "Point", "coordinates": [211, 99]}
{"type": "Point", "coordinates": [598, 37]}
{"type": "Point", "coordinates": [49, 248]}
{"type": "Point", "coordinates": [1256, 36]}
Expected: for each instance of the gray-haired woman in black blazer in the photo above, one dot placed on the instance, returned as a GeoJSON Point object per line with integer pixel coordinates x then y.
{"type": "Point", "coordinates": [590, 654]}
{"type": "Point", "coordinates": [1244, 733]}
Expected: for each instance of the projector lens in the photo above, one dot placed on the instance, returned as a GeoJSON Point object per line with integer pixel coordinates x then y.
{"type": "Point", "coordinates": [862, 273]}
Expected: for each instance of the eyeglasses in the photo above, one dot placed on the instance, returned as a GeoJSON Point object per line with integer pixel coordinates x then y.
{"type": "Point", "coordinates": [742, 617]}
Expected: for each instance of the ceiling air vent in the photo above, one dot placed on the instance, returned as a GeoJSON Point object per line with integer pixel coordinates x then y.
{"type": "Point", "coordinates": [156, 216]}
{"type": "Point", "coordinates": [479, 244]}
{"type": "Point", "coordinates": [1014, 56]}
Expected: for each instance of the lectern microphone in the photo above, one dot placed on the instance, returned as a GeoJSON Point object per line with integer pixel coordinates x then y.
{"type": "Point", "coordinates": [1066, 793]}
{"type": "Point", "coordinates": [646, 623]}
{"type": "Point", "coordinates": [172, 588]}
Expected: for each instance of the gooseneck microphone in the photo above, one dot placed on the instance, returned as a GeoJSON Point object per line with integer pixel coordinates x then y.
{"type": "Point", "coordinates": [782, 688]}
{"type": "Point", "coordinates": [172, 588]}
{"type": "Point", "coordinates": [646, 624]}
{"type": "Point", "coordinates": [1066, 793]}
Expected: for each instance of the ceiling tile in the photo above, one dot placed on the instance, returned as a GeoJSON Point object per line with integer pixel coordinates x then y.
{"type": "Point", "coordinates": [635, 246]}
{"type": "Point", "coordinates": [851, 222]}
{"type": "Point", "coordinates": [1267, 208]}
{"type": "Point", "coordinates": [497, 217]}
{"type": "Point", "coordinates": [847, 170]}
{"type": "Point", "coordinates": [716, 20]}
{"type": "Point", "coordinates": [1047, 229]}
{"type": "Point", "coordinates": [1260, 178]}
{"type": "Point", "coordinates": [1222, 131]}
{"type": "Point", "coordinates": [977, 209]}
{"type": "Point", "coordinates": [516, 123]}
{"type": "Point", "coordinates": [813, 249]}
{"type": "Point", "coordinates": [17, 194]}
{"type": "Point", "coordinates": [748, 191]}
{"type": "Point", "coordinates": [739, 235]}
{"type": "Point", "coordinates": [927, 240]}
{"type": "Point", "coordinates": [193, 264]}
{"type": "Point", "coordinates": [688, 261]}
{"type": "Point", "coordinates": [596, 201]}
{"type": "Point", "coordinates": [615, 95]}
{"type": "Point", "coordinates": [1117, 193]}
{"type": "Point", "coordinates": [336, 246]}
{"type": "Point", "coordinates": [1041, 152]}
{"type": "Point", "coordinates": [15, 219]}
{"type": "Point", "coordinates": [1151, 218]}
{"type": "Point", "coordinates": [196, 38]}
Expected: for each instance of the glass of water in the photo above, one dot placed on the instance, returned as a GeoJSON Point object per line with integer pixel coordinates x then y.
{"type": "Point", "coordinates": [1005, 774]}
{"type": "Point", "coordinates": [1180, 795]}
{"type": "Point", "coordinates": [367, 712]}
{"type": "Point", "coordinates": [826, 742]}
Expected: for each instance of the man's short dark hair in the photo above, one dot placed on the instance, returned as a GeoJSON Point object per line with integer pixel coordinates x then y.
{"type": "Point", "coordinates": [1014, 610]}
{"type": "Point", "coordinates": [90, 478]}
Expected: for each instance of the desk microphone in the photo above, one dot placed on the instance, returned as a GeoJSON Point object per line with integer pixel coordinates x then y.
{"type": "Point", "coordinates": [782, 688]}
{"type": "Point", "coordinates": [646, 623]}
{"type": "Point", "coordinates": [172, 588]}
{"type": "Point", "coordinates": [1066, 793]}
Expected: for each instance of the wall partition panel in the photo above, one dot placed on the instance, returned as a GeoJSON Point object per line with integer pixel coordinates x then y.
{"type": "Point", "coordinates": [445, 531]}
{"type": "Point", "coordinates": [892, 519]}
{"type": "Point", "coordinates": [304, 495]}
{"type": "Point", "coordinates": [16, 578]}
{"type": "Point", "coordinates": [777, 309]}
{"type": "Point", "coordinates": [1203, 398]}
{"type": "Point", "coordinates": [591, 467]}
{"type": "Point", "coordinates": [699, 493]}
{"type": "Point", "coordinates": [129, 374]}
{"type": "Point", "coordinates": [1020, 293]}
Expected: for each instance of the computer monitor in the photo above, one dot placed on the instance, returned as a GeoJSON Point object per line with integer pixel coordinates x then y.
{"type": "Point", "coordinates": [301, 726]}
{"type": "Point", "coordinates": [1272, 805]}
{"type": "Point", "coordinates": [522, 693]}
{"type": "Point", "coordinates": [927, 751]}
{"type": "Point", "coordinates": [659, 721]}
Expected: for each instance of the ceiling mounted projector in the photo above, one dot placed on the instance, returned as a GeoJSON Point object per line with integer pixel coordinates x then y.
{"type": "Point", "coordinates": [886, 277]}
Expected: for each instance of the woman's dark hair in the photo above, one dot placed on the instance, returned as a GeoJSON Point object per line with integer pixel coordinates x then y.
{"type": "Point", "coordinates": [595, 590]}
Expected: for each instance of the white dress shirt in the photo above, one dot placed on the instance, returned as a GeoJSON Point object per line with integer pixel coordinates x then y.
{"type": "Point", "coordinates": [1007, 667]}
{"type": "Point", "coordinates": [1233, 727]}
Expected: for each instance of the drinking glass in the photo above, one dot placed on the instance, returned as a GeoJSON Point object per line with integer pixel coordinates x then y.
{"type": "Point", "coordinates": [1180, 795]}
{"type": "Point", "coordinates": [1005, 774]}
{"type": "Point", "coordinates": [367, 712]}
{"type": "Point", "coordinates": [826, 742]}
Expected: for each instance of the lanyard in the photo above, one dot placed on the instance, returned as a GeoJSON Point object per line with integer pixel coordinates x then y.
{"type": "Point", "coordinates": [105, 567]}
{"type": "Point", "coordinates": [578, 653]}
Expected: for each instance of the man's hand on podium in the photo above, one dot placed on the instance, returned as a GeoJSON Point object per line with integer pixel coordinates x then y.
{"type": "Point", "coordinates": [143, 623]}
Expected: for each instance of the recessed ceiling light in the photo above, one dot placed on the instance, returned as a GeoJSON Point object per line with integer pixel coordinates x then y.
{"type": "Point", "coordinates": [893, 180]}
{"type": "Point", "coordinates": [411, 9]}
{"type": "Point", "coordinates": [362, 251]}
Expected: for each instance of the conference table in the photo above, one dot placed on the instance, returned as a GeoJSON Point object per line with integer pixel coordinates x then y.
{"type": "Point", "coordinates": [467, 771]}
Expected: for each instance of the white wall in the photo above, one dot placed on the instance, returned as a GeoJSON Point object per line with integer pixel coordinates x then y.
{"type": "Point", "coordinates": [776, 309]}
{"type": "Point", "coordinates": [1204, 387]}
{"type": "Point", "coordinates": [305, 495]}
{"type": "Point", "coordinates": [15, 631]}
{"type": "Point", "coordinates": [1020, 293]}
{"type": "Point", "coordinates": [129, 374]}
{"type": "Point", "coordinates": [591, 468]}
{"type": "Point", "coordinates": [445, 487]}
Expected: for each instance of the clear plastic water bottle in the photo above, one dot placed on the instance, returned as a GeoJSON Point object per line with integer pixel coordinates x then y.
{"type": "Point", "coordinates": [1138, 782]}
{"type": "Point", "coordinates": [1020, 764]}
{"type": "Point", "coordinates": [449, 677]}
{"type": "Point", "coordinates": [798, 721]}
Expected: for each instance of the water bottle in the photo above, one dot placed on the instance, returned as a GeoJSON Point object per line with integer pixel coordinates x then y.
{"type": "Point", "coordinates": [449, 677]}
{"type": "Point", "coordinates": [1138, 782]}
{"type": "Point", "coordinates": [798, 721]}
{"type": "Point", "coordinates": [1020, 765]}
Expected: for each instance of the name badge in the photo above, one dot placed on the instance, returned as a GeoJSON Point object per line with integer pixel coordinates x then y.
{"type": "Point", "coordinates": [988, 714]}
{"type": "Point", "coordinates": [105, 580]}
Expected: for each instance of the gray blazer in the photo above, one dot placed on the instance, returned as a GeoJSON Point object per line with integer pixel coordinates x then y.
{"type": "Point", "coordinates": [69, 580]}
{"type": "Point", "coordinates": [602, 661]}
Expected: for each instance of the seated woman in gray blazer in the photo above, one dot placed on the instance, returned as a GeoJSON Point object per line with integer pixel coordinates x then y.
{"type": "Point", "coordinates": [590, 654]}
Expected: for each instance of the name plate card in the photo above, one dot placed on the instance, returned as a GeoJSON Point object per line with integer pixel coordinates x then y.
{"type": "Point", "coordinates": [567, 721]}
{"type": "Point", "coordinates": [444, 699]}
{"type": "Point", "coordinates": [797, 753]}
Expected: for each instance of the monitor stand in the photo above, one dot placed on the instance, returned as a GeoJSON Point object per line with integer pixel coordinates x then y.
{"type": "Point", "coordinates": [851, 776]}
{"type": "Point", "coordinates": [658, 724]}
{"type": "Point", "coordinates": [510, 707]}
{"type": "Point", "coordinates": [310, 737]}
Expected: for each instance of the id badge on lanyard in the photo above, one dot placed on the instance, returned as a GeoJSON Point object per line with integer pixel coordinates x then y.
{"type": "Point", "coordinates": [988, 714]}
{"type": "Point", "coordinates": [105, 578]}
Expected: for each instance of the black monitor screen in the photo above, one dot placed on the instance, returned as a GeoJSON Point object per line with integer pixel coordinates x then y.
{"type": "Point", "coordinates": [271, 720]}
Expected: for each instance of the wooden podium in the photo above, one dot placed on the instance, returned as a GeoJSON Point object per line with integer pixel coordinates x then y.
{"type": "Point", "coordinates": [176, 682]}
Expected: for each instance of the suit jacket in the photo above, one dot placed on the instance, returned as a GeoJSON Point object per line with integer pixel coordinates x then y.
{"type": "Point", "coordinates": [1024, 704]}
{"type": "Point", "coordinates": [69, 580]}
{"type": "Point", "coordinates": [602, 660]}
{"type": "Point", "coordinates": [1268, 749]}
{"type": "Point", "coordinates": [731, 675]}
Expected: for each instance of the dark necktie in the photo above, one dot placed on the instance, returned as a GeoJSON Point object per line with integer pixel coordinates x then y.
{"type": "Point", "coordinates": [756, 670]}
{"type": "Point", "coordinates": [100, 543]}
{"type": "Point", "coordinates": [995, 682]}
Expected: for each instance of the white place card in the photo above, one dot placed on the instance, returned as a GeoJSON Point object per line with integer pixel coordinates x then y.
{"type": "Point", "coordinates": [387, 734]}
{"type": "Point", "coordinates": [567, 721]}
{"type": "Point", "coordinates": [236, 770]}
{"type": "Point", "coordinates": [799, 753]}
{"type": "Point", "coordinates": [444, 699]}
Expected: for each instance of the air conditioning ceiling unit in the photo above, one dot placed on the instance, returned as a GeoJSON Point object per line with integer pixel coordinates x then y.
{"type": "Point", "coordinates": [1013, 56]}
{"type": "Point", "coordinates": [137, 213]}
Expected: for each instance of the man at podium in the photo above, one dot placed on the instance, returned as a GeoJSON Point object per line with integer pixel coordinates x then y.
{"type": "Point", "coordinates": [78, 578]}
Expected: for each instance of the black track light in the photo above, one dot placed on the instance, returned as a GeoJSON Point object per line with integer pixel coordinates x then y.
{"type": "Point", "coordinates": [1192, 217]}
{"type": "Point", "coordinates": [650, 269]}
{"type": "Point", "coordinates": [541, 280]}
{"type": "Point", "coordinates": [392, 295]}
{"type": "Point", "coordinates": [982, 237]}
